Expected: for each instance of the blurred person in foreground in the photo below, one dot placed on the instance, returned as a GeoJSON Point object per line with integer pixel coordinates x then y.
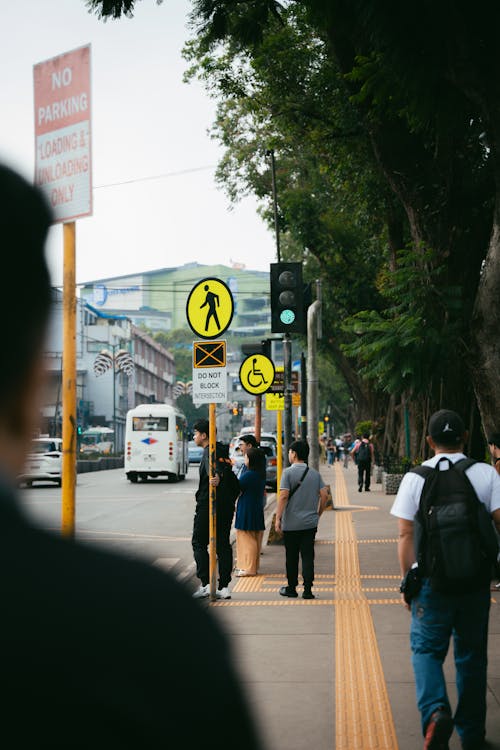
{"type": "Point", "coordinates": [98, 651]}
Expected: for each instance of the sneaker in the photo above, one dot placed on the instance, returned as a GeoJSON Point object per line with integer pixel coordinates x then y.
{"type": "Point", "coordinates": [288, 591]}
{"type": "Point", "coordinates": [360, 489]}
{"type": "Point", "coordinates": [439, 729]}
{"type": "Point", "coordinates": [223, 593]}
{"type": "Point", "coordinates": [308, 594]}
{"type": "Point", "coordinates": [202, 592]}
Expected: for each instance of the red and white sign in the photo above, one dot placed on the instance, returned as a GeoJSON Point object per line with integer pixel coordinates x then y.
{"type": "Point", "coordinates": [63, 166]}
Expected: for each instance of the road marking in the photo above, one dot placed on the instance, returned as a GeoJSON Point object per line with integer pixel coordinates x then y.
{"type": "Point", "coordinates": [363, 715]}
{"type": "Point", "coordinates": [304, 603]}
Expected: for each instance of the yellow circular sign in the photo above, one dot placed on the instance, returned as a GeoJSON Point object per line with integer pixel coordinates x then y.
{"type": "Point", "coordinates": [257, 374]}
{"type": "Point", "coordinates": [209, 308]}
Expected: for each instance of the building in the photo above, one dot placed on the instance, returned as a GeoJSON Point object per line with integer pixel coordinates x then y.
{"type": "Point", "coordinates": [158, 298]}
{"type": "Point", "coordinates": [103, 398]}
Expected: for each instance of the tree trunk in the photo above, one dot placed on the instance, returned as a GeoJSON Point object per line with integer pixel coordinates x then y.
{"type": "Point", "coordinates": [485, 360]}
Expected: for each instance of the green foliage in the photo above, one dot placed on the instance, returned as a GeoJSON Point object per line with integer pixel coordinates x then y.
{"type": "Point", "coordinates": [363, 427]}
{"type": "Point", "coordinates": [414, 339]}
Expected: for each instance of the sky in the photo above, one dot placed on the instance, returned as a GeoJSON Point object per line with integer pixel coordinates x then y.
{"type": "Point", "coordinates": [145, 122]}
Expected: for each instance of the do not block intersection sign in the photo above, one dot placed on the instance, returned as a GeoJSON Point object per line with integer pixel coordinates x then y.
{"type": "Point", "coordinates": [209, 372]}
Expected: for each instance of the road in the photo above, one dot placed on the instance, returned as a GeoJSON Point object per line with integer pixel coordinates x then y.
{"type": "Point", "coordinates": [151, 521]}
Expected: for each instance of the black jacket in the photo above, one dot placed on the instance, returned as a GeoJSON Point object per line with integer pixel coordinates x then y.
{"type": "Point", "coordinates": [103, 652]}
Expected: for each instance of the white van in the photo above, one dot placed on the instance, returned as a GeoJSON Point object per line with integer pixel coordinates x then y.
{"type": "Point", "coordinates": [156, 443]}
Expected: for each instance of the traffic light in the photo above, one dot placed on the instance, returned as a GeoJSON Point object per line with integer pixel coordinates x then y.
{"type": "Point", "coordinates": [264, 347]}
{"type": "Point", "coordinates": [326, 418]}
{"type": "Point", "coordinates": [287, 298]}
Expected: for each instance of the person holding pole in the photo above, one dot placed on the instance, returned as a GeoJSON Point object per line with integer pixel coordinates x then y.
{"type": "Point", "coordinates": [227, 491]}
{"type": "Point", "coordinates": [88, 636]}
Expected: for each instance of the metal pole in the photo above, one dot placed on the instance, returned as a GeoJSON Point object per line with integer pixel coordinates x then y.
{"type": "Point", "coordinates": [303, 398]}
{"type": "Point", "coordinates": [287, 387]}
{"type": "Point", "coordinates": [312, 384]}
{"type": "Point", "coordinates": [258, 417]}
{"type": "Point", "coordinates": [270, 153]}
{"type": "Point", "coordinates": [69, 382]}
{"type": "Point", "coordinates": [114, 401]}
{"type": "Point", "coordinates": [279, 457]}
{"type": "Point", "coordinates": [212, 505]}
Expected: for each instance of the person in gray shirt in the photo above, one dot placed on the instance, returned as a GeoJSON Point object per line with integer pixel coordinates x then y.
{"type": "Point", "coordinates": [302, 499]}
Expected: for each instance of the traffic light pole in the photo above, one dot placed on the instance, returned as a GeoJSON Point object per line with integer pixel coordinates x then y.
{"type": "Point", "coordinates": [287, 387]}
{"type": "Point", "coordinates": [303, 398]}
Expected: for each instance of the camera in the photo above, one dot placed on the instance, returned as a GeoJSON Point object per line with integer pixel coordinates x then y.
{"type": "Point", "coordinates": [411, 584]}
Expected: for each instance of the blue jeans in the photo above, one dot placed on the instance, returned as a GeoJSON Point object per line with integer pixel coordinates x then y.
{"type": "Point", "coordinates": [435, 618]}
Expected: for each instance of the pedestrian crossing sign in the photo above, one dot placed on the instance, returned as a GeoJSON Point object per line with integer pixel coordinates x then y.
{"type": "Point", "coordinates": [210, 308]}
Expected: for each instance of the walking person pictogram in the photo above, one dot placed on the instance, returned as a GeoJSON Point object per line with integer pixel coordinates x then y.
{"type": "Point", "coordinates": [212, 300]}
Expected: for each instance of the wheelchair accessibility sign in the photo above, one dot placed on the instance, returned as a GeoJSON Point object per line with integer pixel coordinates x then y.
{"type": "Point", "coordinates": [210, 308]}
{"type": "Point", "coordinates": [257, 374]}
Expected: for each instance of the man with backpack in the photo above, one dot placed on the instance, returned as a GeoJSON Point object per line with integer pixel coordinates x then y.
{"type": "Point", "coordinates": [228, 489]}
{"type": "Point", "coordinates": [363, 455]}
{"type": "Point", "coordinates": [447, 552]}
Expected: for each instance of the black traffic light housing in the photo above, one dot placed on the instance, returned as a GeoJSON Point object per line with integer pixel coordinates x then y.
{"type": "Point", "coordinates": [287, 298]}
{"type": "Point", "coordinates": [255, 348]}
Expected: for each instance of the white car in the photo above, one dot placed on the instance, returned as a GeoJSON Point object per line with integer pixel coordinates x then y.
{"type": "Point", "coordinates": [44, 462]}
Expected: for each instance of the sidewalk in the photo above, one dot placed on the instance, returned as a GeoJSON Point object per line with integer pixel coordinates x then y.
{"type": "Point", "coordinates": [335, 672]}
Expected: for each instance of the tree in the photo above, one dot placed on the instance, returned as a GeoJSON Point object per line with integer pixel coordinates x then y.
{"type": "Point", "coordinates": [423, 83]}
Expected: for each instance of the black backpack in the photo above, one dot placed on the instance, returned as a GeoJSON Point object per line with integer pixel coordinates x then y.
{"type": "Point", "coordinates": [363, 453]}
{"type": "Point", "coordinates": [229, 488]}
{"type": "Point", "coordinates": [456, 545]}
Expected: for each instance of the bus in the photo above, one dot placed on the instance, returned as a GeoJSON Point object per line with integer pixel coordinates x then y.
{"type": "Point", "coordinates": [156, 443]}
{"type": "Point", "coordinates": [97, 440]}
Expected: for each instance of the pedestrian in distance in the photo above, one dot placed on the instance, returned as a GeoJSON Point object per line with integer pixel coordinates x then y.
{"type": "Point", "coordinates": [227, 491]}
{"type": "Point", "coordinates": [99, 651]}
{"type": "Point", "coordinates": [363, 453]}
{"type": "Point", "coordinates": [302, 499]}
{"type": "Point", "coordinates": [338, 448]}
{"type": "Point", "coordinates": [494, 446]}
{"type": "Point", "coordinates": [330, 451]}
{"type": "Point", "coordinates": [249, 521]}
{"type": "Point", "coordinates": [447, 506]}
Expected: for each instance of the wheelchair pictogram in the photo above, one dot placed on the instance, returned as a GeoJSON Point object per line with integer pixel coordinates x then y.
{"type": "Point", "coordinates": [257, 374]}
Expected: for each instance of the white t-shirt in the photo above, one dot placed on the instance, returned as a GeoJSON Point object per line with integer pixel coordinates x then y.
{"type": "Point", "coordinates": [483, 478]}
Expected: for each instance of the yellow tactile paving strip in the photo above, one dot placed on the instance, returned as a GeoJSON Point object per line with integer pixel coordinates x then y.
{"type": "Point", "coordinates": [363, 715]}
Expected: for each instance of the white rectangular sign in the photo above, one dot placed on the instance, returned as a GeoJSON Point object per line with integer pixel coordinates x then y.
{"type": "Point", "coordinates": [210, 386]}
{"type": "Point", "coordinates": [62, 133]}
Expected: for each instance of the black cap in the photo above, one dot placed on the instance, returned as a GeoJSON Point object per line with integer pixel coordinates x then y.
{"type": "Point", "coordinates": [446, 427]}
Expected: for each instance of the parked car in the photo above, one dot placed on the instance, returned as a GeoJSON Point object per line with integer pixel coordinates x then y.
{"type": "Point", "coordinates": [44, 462]}
{"type": "Point", "coordinates": [195, 452]}
{"type": "Point", "coordinates": [269, 446]}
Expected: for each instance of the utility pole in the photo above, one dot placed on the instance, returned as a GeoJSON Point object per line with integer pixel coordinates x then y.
{"type": "Point", "coordinates": [313, 331]}
{"type": "Point", "coordinates": [303, 398]}
{"type": "Point", "coordinates": [287, 388]}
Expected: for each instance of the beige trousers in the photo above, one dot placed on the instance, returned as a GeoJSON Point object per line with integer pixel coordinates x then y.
{"type": "Point", "coordinates": [248, 544]}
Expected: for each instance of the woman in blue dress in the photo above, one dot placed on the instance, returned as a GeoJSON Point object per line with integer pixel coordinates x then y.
{"type": "Point", "coordinates": [249, 521]}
